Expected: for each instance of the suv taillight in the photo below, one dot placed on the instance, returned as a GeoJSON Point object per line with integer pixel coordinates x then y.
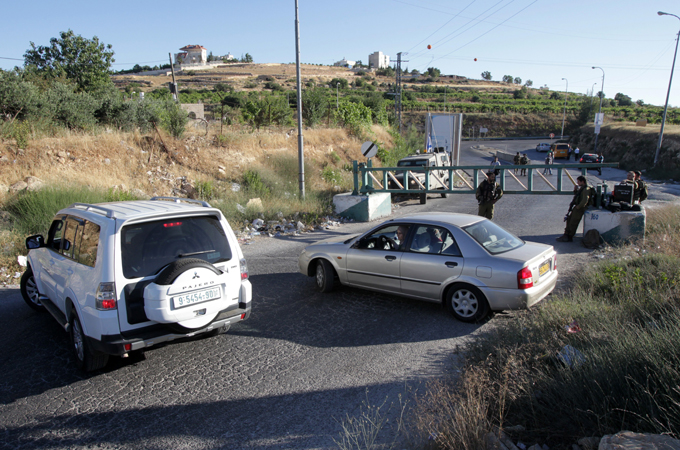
{"type": "Point", "coordinates": [524, 279]}
{"type": "Point", "coordinates": [244, 269]}
{"type": "Point", "coordinates": [106, 297]}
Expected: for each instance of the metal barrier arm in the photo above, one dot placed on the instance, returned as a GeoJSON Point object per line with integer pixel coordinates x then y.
{"type": "Point", "coordinates": [365, 172]}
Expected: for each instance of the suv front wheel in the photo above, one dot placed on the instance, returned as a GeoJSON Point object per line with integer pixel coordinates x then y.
{"type": "Point", "coordinates": [29, 291]}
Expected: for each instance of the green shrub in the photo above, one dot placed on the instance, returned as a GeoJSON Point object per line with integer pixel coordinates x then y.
{"type": "Point", "coordinates": [74, 110]}
{"type": "Point", "coordinates": [331, 175]}
{"type": "Point", "coordinates": [253, 183]}
{"type": "Point", "coordinates": [205, 189]}
{"type": "Point", "coordinates": [21, 131]}
{"type": "Point", "coordinates": [174, 119]}
{"type": "Point", "coordinates": [355, 117]}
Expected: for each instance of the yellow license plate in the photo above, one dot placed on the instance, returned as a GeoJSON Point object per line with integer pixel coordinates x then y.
{"type": "Point", "coordinates": [544, 268]}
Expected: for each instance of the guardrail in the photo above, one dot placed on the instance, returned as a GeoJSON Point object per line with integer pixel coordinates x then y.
{"type": "Point", "coordinates": [458, 180]}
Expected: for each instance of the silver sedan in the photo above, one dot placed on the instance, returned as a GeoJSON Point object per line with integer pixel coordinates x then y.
{"type": "Point", "coordinates": [469, 263]}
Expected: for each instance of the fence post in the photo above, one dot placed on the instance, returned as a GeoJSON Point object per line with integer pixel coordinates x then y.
{"type": "Point", "coordinates": [355, 172]}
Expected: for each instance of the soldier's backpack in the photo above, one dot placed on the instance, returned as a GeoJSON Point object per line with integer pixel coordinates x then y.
{"type": "Point", "coordinates": [592, 196]}
{"type": "Point", "coordinates": [592, 239]}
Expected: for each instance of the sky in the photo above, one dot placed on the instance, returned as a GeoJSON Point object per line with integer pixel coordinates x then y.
{"type": "Point", "coordinates": [545, 41]}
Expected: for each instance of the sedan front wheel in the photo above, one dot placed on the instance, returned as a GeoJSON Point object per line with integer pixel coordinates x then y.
{"type": "Point", "coordinates": [325, 276]}
{"type": "Point", "coordinates": [467, 303]}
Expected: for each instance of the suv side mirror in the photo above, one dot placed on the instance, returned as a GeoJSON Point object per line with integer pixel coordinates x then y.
{"type": "Point", "coordinates": [35, 241]}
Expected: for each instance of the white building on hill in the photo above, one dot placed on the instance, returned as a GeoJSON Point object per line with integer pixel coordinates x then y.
{"type": "Point", "coordinates": [192, 54]}
{"type": "Point", "coordinates": [344, 62]}
{"type": "Point", "coordinates": [378, 60]}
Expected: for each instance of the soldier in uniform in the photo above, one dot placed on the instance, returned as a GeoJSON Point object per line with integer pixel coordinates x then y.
{"type": "Point", "coordinates": [576, 209]}
{"type": "Point", "coordinates": [516, 160]}
{"type": "Point", "coordinates": [641, 192]}
{"type": "Point", "coordinates": [488, 193]}
{"type": "Point", "coordinates": [524, 161]}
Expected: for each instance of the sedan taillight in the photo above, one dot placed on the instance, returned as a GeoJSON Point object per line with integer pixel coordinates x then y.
{"type": "Point", "coordinates": [524, 279]}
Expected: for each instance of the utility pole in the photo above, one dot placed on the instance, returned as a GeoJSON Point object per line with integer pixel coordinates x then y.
{"type": "Point", "coordinates": [173, 88]}
{"type": "Point", "coordinates": [397, 96]}
{"type": "Point", "coordinates": [301, 152]}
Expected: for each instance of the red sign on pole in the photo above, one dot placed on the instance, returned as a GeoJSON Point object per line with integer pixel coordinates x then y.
{"type": "Point", "coordinates": [552, 135]}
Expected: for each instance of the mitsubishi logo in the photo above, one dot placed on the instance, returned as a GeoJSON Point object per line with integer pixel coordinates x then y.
{"type": "Point", "coordinates": [195, 276]}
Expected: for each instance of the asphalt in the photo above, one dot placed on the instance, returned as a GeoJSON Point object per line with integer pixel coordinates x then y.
{"type": "Point", "coordinates": [284, 379]}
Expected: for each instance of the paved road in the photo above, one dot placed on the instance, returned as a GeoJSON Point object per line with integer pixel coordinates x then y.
{"type": "Point", "coordinates": [278, 380]}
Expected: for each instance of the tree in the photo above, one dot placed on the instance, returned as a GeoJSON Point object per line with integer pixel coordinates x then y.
{"type": "Point", "coordinates": [529, 83]}
{"type": "Point", "coordinates": [520, 93]}
{"type": "Point", "coordinates": [640, 102]}
{"type": "Point", "coordinates": [486, 75]}
{"type": "Point", "coordinates": [555, 96]}
{"type": "Point", "coordinates": [86, 62]}
{"type": "Point", "coordinates": [517, 80]}
{"type": "Point", "coordinates": [508, 78]}
{"type": "Point", "coordinates": [341, 81]}
{"type": "Point", "coordinates": [433, 72]}
{"type": "Point", "coordinates": [247, 58]}
{"type": "Point", "coordinates": [623, 100]}
{"type": "Point", "coordinates": [210, 57]}
{"type": "Point", "coordinates": [314, 106]}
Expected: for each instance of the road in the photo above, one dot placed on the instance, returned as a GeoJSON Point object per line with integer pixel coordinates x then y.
{"type": "Point", "coordinates": [282, 379]}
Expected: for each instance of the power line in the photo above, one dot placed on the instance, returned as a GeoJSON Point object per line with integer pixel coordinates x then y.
{"type": "Point", "coordinates": [489, 31]}
{"type": "Point", "coordinates": [446, 23]}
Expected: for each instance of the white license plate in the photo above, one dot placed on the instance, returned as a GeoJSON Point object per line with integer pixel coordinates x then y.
{"type": "Point", "coordinates": [544, 268]}
{"type": "Point", "coordinates": [196, 297]}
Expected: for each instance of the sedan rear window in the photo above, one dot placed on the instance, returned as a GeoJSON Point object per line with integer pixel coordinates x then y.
{"type": "Point", "coordinates": [150, 246]}
{"type": "Point", "coordinates": [493, 238]}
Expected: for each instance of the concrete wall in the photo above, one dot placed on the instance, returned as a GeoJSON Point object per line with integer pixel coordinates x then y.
{"type": "Point", "coordinates": [363, 208]}
{"type": "Point", "coordinates": [616, 228]}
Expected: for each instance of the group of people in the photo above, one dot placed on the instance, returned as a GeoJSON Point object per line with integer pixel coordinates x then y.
{"type": "Point", "coordinates": [489, 192]}
{"type": "Point", "coordinates": [521, 160]}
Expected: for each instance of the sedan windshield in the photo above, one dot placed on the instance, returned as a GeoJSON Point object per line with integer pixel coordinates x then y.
{"type": "Point", "coordinates": [493, 238]}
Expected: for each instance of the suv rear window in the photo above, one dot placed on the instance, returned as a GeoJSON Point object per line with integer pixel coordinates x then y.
{"type": "Point", "coordinates": [150, 246]}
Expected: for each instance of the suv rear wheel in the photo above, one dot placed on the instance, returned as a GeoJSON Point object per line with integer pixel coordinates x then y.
{"type": "Point", "coordinates": [87, 359]}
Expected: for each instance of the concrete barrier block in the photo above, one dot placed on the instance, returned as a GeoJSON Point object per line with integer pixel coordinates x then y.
{"type": "Point", "coordinates": [616, 228]}
{"type": "Point", "coordinates": [363, 208]}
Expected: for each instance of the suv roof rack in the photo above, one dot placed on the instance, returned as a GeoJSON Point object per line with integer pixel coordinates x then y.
{"type": "Point", "coordinates": [95, 208]}
{"type": "Point", "coordinates": [180, 200]}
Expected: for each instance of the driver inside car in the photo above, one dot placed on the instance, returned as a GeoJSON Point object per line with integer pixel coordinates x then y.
{"type": "Point", "coordinates": [402, 231]}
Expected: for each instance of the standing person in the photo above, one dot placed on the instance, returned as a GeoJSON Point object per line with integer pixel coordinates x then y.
{"type": "Point", "coordinates": [494, 164]}
{"type": "Point", "coordinates": [549, 161]}
{"type": "Point", "coordinates": [576, 209]}
{"type": "Point", "coordinates": [641, 191]}
{"type": "Point", "coordinates": [488, 193]}
{"type": "Point", "coordinates": [524, 161]}
{"type": "Point", "coordinates": [600, 160]}
{"type": "Point", "coordinates": [576, 152]}
{"type": "Point", "coordinates": [515, 161]}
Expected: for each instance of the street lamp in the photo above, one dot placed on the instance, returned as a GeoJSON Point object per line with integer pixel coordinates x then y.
{"type": "Point", "coordinates": [663, 121]}
{"type": "Point", "coordinates": [600, 111]}
{"type": "Point", "coordinates": [564, 116]}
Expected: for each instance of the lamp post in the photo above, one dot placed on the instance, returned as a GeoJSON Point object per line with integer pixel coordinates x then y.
{"type": "Point", "coordinates": [663, 121]}
{"type": "Point", "coordinates": [337, 95]}
{"type": "Point", "coordinates": [564, 116]}
{"type": "Point", "coordinates": [600, 110]}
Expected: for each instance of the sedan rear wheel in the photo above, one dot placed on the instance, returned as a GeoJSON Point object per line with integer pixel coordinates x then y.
{"type": "Point", "coordinates": [467, 303]}
{"type": "Point", "coordinates": [325, 276]}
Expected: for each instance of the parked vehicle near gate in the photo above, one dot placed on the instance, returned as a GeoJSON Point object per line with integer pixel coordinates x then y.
{"type": "Point", "coordinates": [124, 276]}
{"type": "Point", "coordinates": [588, 158]}
{"type": "Point", "coordinates": [438, 178]}
{"type": "Point", "coordinates": [468, 263]}
{"type": "Point", "coordinates": [543, 147]}
{"type": "Point", "coordinates": [561, 150]}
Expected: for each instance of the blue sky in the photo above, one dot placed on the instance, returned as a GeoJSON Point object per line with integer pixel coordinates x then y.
{"type": "Point", "coordinates": [540, 40]}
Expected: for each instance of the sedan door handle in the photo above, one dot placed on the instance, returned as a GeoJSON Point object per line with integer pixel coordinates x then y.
{"type": "Point", "coordinates": [451, 264]}
{"type": "Point", "coordinates": [390, 257]}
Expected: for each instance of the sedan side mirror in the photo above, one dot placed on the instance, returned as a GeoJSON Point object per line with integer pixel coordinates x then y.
{"type": "Point", "coordinates": [361, 243]}
{"type": "Point", "coordinates": [35, 241]}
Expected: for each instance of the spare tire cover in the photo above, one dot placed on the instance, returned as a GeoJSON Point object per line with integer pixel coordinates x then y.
{"type": "Point", "coordinates": [189, 292]}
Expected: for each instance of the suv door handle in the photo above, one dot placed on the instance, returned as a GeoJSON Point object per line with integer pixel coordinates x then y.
{"type": "Point", "coordinates": [451, 264]}
{"type": "Point", "coordinates": [390, 257]}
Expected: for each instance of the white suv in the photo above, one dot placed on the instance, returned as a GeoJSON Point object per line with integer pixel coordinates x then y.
{"type": "Point", "coordinates": [124, 276]}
